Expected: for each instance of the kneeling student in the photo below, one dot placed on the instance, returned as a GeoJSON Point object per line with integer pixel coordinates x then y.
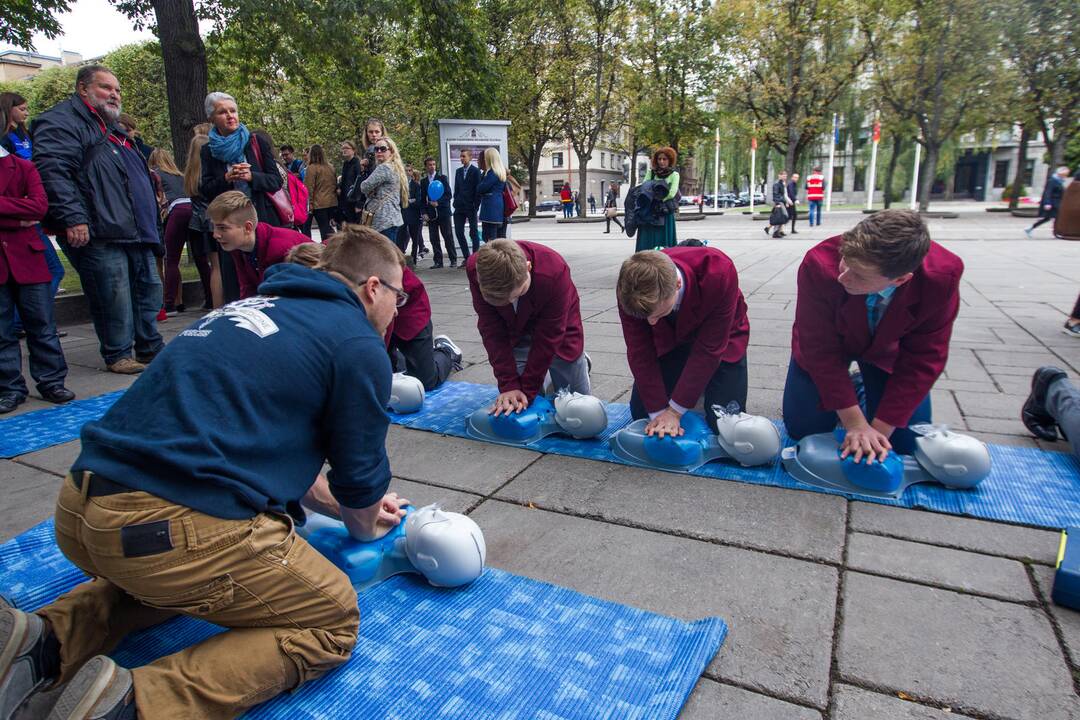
{"type": "Point", "coordinates": [529, 318]}
{"type": "Point", "coordinates": [685, 326]}
{"type": "Point", "coordinates": [884, 295]}
{"type": "Point", "coordinates": [253, 245]}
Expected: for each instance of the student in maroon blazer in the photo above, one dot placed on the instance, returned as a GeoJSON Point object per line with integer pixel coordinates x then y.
{"type": "Point", "coordinates": [24, 285]}
{"type": "Point", "coordinates": [428, 359]}
{"type": "Point", "coordinates": [529, 319]}
{"type": "Point", "coordinates": [254, 245]}
{"type": "Point", "coordinates": [685, 326]}
{"type": "Point", "coordinates": [882, 294]}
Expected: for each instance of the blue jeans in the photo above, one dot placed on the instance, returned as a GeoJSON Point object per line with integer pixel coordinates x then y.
{"type": "Point", "coordinates": [47, 365]}
{"type": "Point", "coordinates": [568, 210]}
{"type": "Point", "coordinates": [813, 213]}
{"type": "Point", "coordinates": [123, 288]}
{"type": "Point", "coordinates": [56, 270]}
{"type": "Point", "coordinates": [803, 414]}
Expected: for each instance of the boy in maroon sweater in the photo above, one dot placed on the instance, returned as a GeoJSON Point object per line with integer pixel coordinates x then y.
{"type": "Point", "coordinates": [254, 245]}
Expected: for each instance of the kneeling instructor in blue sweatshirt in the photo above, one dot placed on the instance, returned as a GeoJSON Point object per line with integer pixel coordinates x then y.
{"type": "Point", "coordinates": [185, 495]}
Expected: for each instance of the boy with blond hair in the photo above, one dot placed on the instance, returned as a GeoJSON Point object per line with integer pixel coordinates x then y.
{"type": "Point", "coordinates": [685, 326]}
{"type": "Point", "coordinates": [529, 317]}
{"type": "Point", "coordinates": [253, 245]}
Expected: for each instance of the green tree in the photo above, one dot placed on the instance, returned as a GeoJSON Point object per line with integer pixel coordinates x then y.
{"type": "Point", "coordinates": [794, 61]}
{"type": "Point", "coordinates": [22, 18]}
{"type": "Point", "coordinates": [141, 73]}
{"type": "Point", "coordinates": [934, 68]}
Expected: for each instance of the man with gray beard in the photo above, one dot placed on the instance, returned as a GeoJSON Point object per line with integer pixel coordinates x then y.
{"type": "Point", "coordinates": [103, 208]}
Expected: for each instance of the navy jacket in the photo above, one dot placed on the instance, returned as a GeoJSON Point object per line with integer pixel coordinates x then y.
{"type": "Point", "coordinates": [85, 177]}
{"type": "Point", "coordinates": [411, 213]}
{"type": "Point", "coordinates": [490, 191]}
{"type": "Point", "coordinates": [444, 200]}
{"type": "Point", "coordinates": [465, 181]}
{"type": "Point", "coordinates": [778, 192]}
{"type": "Point", "coordinates": [350, 174]}
{"type": "Point", "coordinates": [211, 424]}
{"type": "Point", "coordinates": [1052, 194]}
{"type": "Point", "coordinates": [793, 191]}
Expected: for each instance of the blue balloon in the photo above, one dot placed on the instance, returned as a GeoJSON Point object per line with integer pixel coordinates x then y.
{"type": "Point", "coordinates": [435, 190]}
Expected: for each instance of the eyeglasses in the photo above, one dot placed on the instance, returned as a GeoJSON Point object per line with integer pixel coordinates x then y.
{"type": "Point", "coordinates": [402, 296]}
{"type": "Point", "coordinates": [381, 148]}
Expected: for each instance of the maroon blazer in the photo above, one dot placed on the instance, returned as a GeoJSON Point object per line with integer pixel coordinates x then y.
{"type": "Point", "coordinates": [550, 314]}
{"type": "Point", "coordinates": [22, 197]}
{"type": "Point", "coordinates": [272, 244]}
{"type": "Point", "coordinates": [415, 314]}
{"type": "Point", "coordinates": [712, 316]}
{"type": "Point", "coordinates": [912, 339]}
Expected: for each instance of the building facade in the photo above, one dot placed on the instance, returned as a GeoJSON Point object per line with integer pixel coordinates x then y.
{"type": "Point", "coordinates": [22, 65]}
{"type": "Point", "coordinates": [559, 165]}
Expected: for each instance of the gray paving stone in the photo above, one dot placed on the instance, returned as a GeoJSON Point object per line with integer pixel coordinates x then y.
{"type": "Point", "coordinates": [711, 700]}
{"type": "Point", "coordinates": [989, 405]}
{"type": "Point", "coordinates": [57, 459]}
{"type": "Point", "coordinates": [15, 477]}
{"type": "Point", "coordinates": [1011, 541]}
{"type": "Point", "coordinates": [34, 503]}
{"type": "Point", "coordinates": [1068, 620]}
{"type": "Point", "coordinates": [809, 525]}
{"type": "Point", "coordinates": [852, 703]}
{"type": "Point", "coordinates": [970, 653]}
{"type": "Point", "coordinates": [421, 494]}
{"type": "Point", "coordinates": [452, 462]}
{"type": "Point", "coordinates": [948, 568]}
{"type": "Point", "coordinates": [479, 372]}
{"type": "Point", "coordinates": [779, 610]}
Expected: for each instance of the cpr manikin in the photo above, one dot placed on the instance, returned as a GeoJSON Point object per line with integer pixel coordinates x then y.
{"type": "Point", "coordinates": [955, 460]}
{"type": "Point", "coordinates": [406, 394]}
{"type": "Point", "coordinates": [574, 414]}
{"type": "Point", "coordinates": [446, 548]}
{"type": "Point", "coordinates": [747, 439]}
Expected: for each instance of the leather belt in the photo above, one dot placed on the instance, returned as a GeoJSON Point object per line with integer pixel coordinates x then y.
{"type": "Point", "coordinates": [99, 485]}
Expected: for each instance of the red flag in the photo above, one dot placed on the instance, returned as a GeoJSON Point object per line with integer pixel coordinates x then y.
{"type": "Point", "coordinates": [753, 143]}
{"type": "Point", "coordinates": [877, 131]}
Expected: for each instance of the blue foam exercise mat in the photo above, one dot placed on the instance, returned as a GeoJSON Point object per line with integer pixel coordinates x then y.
{"type": "Point", "coordinates": [504, 646]}
{"type": "Point", "coordinates": [1025, 486]}
{"type": "Point", "coordinates": [44, 428]}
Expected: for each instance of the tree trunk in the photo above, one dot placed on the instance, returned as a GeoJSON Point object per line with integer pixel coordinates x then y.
{"type": "Point", "coordinates": [897, 143]}
{"type": "Point", "coordinates": [583, 182]}
{"type": "Point", "coordinates": [633, 161]}
{"type": "Point", "coordinates": [184, 55]}
{"type": "Point", "coordinates": [534, 168]}
{"type": "Point", "coordinates": [1021, 163]}
{"type": "Point", "coordinates": [929, 173]}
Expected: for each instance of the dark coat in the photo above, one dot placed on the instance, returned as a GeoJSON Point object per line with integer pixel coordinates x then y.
{"type": "Point", "coordinates": [911, 342]}
{"type": "Point", "coordinates": [363, 172]}
{"type": "Point", "coordinates": [265, 178]}
{"type": "Point", "coordinates": [490, 192]}
{"type": "Point", "coordinates": [84, 176]}
{"type": "Point", "coordinates": [444, 201]}
{"type": "Point", "coordinates": [22, 197]}
{"type": "Point", "coordinates": [793, 191]}
{"type": "Point", "coordinates": [778, 192]}
{"type": "Point", "coordinates": [465, 181]}
{"type": "Point", "coordinates": [1052, 194]}
{"type": "Point", "coordinates": [411, 214]}
{"type": "Point", "coordinates": [711, 318]}
{"type": "Point", "coordinates": [550, 314]}
{"type": "Point", "coordinates": [350, 174]}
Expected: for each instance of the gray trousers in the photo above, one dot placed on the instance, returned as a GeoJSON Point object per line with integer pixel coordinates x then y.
{"type": "Point", "coordinates": [1063, 404]}
{"type": "Point", "coordinates": [572, 376]}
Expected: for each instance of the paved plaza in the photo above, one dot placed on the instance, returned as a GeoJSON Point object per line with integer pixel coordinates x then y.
{"type": "Point", "coordinates": [837, 609]}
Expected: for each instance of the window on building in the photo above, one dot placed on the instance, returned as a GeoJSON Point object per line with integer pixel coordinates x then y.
{"type": "Point", "coordinates": [556, 160]}
{"type": "Point", "coordinates": [838, 178]}
{"type": "Point", "coordinates": [860, 179]}
{"type": "Point", "coordinates": [1029, 173]}
{"type": "Point", "coordinates": [556, 186]}
{"type": "Point", "coordinates": [603, 159]}
{"type": "Point", "coordinates": [1001, 173]}
{"type": "Point", "coordinates": [841, 143]}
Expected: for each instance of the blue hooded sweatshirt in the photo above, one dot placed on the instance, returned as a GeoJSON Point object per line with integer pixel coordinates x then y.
{"type": "Point", "coordinates": [237, 414]}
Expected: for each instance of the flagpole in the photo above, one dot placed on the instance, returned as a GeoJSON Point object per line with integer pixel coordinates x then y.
{"type": "Point", "coordinates": [832, 156]}
{"type": "Point", "coordinates": [876, 138]}
{"type": "Point", "coordinates": [915, 176]}
{"type": "Point", "coordinates": [716, 173]}
{"type": "Point", "coordinates": [753, 169]}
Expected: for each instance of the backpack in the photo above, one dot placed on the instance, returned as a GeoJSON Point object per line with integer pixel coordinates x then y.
{"type": "Point", "coordinates": [298, 194]}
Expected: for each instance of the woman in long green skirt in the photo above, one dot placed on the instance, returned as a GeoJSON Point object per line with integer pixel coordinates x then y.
{"type": "Point", "coordinates": [661, 168]}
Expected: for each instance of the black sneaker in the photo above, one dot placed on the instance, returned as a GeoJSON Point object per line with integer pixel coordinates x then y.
{"type": "Point", "coordinates": [101, 690]}
{"type": "Point", "coordinates": [10, 401]}
{"type": "Point", "coordinates": [444, 343]}
{"type": "Point", "coordinates": [29, 658]}
{"type": "Point", "coordinates": [1034, 415]}
{"type": "Point", "coordinates": [437, 266]}
{"type": "Point", "coordinates": [57, 394]}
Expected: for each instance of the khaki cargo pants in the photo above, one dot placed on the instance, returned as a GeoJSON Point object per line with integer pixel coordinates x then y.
{"type": "Point", "coordinates": [291, 614]}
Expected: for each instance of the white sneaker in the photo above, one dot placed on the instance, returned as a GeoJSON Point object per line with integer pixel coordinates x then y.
{"type": "Point", "coordinates": [442, 342]}
{"type": "Point", "coordinates": [1027, 231]}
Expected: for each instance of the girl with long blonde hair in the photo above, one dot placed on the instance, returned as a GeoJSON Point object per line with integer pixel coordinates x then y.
{"type": "Point", "coordinates": [490, 191]}
{"type": "Point", "coordinates": [386, 190]}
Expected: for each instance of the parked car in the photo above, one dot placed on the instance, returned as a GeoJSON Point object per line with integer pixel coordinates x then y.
{"type": "Point", "coordinates": [744, 199]}
{"type": "Point", "coordinates": [548, 206]}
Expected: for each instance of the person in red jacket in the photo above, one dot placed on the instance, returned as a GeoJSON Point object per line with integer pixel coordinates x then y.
{"type": "Point", "coordinates": [815, 193]}
{"type": "Point", "coordinates": [685, 326]}
{"type": "Point", "coordinates": [24, 285]}
{"type": "Point", "coordinates": [884, 295]}
{"type": "Point", "coordinates": [428, 359]}
{"type": "Point", "coordinates": [529, 318]}
{"type": "Point", "coordinates": [254, 245]}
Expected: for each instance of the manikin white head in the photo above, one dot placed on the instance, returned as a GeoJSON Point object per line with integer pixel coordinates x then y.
{"type": "Point", "coordinates": [447, 548]}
